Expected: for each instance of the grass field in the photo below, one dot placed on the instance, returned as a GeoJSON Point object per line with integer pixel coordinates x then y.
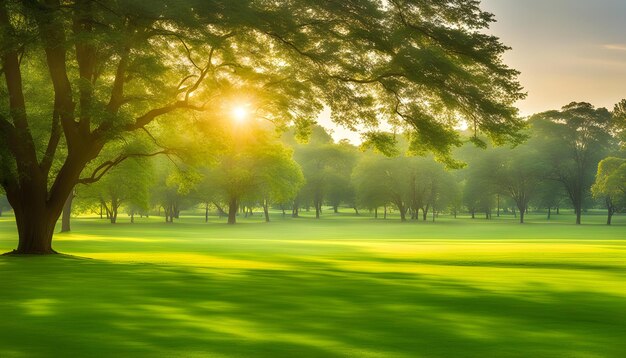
{"type": "Point", "coordinates": [340, 286]}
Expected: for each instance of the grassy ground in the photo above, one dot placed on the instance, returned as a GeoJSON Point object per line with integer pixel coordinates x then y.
{"type": "Point", "coordinates": [341, 286]}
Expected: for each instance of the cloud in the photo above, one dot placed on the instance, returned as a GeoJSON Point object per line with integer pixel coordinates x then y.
{"type": "Point", "coordinates": [615, 47]}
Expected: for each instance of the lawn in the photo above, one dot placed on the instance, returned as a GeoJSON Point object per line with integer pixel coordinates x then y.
{"type": "Point", "coordinates": [340, 286]}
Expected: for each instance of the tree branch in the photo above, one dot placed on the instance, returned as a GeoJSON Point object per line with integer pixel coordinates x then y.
{"type": "Point", "coordinates": [54, 39]}
{"type": "Point", "coordinates": [149, 116]}
{"type": "Point", "coordinates": [53, 143]}
{"type": "Point", "coordinates": [103, 168]}
{"type": "Point", "coordinates": [20, 138]}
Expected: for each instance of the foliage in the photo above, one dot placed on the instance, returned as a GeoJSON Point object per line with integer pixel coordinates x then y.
{"type": "Point", "coordinates": [127, 185]}
{"type": "Point", "coordinates": [80, 74]}
{"type": "Point", "coordinates": [610, 184]}
{"type": "Point", "coordinates": [327, 168]}
{"type": "Point", "coordinates": [255, 168]}
{"type": "Point", "coordinates": [572, 142]}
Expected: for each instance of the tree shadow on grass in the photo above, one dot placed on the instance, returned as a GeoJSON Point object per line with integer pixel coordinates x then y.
{"type": "Point", "coordinates": [67, 306]}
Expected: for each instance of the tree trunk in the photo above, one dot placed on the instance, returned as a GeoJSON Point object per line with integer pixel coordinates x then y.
{"type": "Point", "coordinates": [317, 209]}
{"type": "Point", "coordinates": [356, 210]}
{"type": "Point", "coordinates": [425, 213]}
{"type": "Point", "coordinates": [206, 212]}
{"type": "Point", "coordinates": [385, 212]}
{"type": "Point", "coordinates": [578, 215]}
{"type": "Point", "coordinates": [498, 212]}
{"type": "Point", "coordinates": [35, 234]}
{"type": "Point", "coordinates": [67, 213]}
{"type": "Point", "coordinates": [473, 214]}
{"type": "Point", "coordinates": [610, 210]}
{"type": "Point", "coordinates": [266, 211]}
{"type": "Point", "coordinates": [37, 209]}
{"type": "Point", "coordinates": [232, 211]}
{"type": "Point", "coordinates": [335, 209]}
{"type": "Point", "coordinates": [132, 217]}
{"type": "Point", "coordinates": [549, 212]}
{"type": "Point", "coordinates": [176, 211]}
{"type": "Point", "coordinates": [557, 210]}
{"type": "Point", "coordinates": [100, 210]}
{"type": "Point", "coordinates": [402, 212]}
{"type": "Point", "coordinates": [522, 211]}
{"type": "Point", "coordinates": [295, 207]}
{"type": "Point", "coordinates": [114, 206]}
{"type": "Point", "coordinates": [375, 213]}
{"type": "Point", "coordinates": [433, 215]}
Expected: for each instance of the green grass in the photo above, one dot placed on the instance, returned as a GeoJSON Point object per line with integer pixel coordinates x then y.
{"type": "Point", "coordinates": [340, 286]}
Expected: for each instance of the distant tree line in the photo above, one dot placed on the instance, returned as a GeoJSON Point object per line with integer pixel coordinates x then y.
{"type": "Point", "coordinates": [572, 158]}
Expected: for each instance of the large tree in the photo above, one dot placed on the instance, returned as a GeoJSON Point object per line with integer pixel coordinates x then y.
{"type": "Point", "coordinates": [79, 74]}
{"type": "Point", "coordinates": [572, 141]}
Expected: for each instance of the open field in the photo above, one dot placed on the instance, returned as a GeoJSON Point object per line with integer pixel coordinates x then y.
{"type": "Point", "coordinates": [341, 286]}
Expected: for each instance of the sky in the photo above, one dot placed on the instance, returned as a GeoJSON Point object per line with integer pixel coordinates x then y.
{"type": "Point", "coordinates": [566, 50]}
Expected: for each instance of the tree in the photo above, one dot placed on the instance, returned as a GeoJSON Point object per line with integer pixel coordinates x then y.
{"type": "Point", "coordinates": [426, 182]}
{"type": "Point", "coordinates": [254, 168]}
{"type": "Point", "coordinates": [78, 74]}
{"type": "Point", "coordinates": [279, 176]}
{"type": "Point", "coordinates": [381, 180]}
{"type": "Point", "coordinates": [340, 188]}
{"type": "Point", "coordinates": [444, 192]}
{"type": "Point", "coordinates": [572, 141]}
{"type": "Point", "coordinates": [125, 185]}
{"type": "Point", "coordinates": [326, 168]}
{"type": "Point", "coordinates": [206, 193]}
{"type": "Point", "coordinates": [370, 193]}
{"type": "Point", "coordinates": [550, 195]}
{"type": "Point", "coordinates": [610, 185]}
{"type": "Point", "coordinates": [480, 187]}
{"type": "Point", "coordinates": [619, 117]}
{"type": "Point", "coordinates": [173, 188]}
{"type": "Point", "coordinates": [519, 175]}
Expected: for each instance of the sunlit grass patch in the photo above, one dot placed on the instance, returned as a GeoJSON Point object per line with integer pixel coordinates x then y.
{"type": "Point", "coordinates": [336, 287]}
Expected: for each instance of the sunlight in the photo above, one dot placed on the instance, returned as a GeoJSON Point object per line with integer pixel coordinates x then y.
{"type": "Point", "coordinates": [240, 113]}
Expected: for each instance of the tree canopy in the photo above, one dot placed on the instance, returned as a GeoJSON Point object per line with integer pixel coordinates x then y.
{"type": "Point", "coordinates": [81, 74]}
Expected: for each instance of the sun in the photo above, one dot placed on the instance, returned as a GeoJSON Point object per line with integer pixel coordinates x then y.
{"type": "Point", "coordinates": [240, 113]}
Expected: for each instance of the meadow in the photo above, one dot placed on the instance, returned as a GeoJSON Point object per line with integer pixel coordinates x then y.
{"type": "Point", "coordinates": [335, 287]}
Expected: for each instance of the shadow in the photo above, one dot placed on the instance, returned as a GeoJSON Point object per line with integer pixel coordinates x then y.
{"type": "Point", "coordinates": [73, 306]}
